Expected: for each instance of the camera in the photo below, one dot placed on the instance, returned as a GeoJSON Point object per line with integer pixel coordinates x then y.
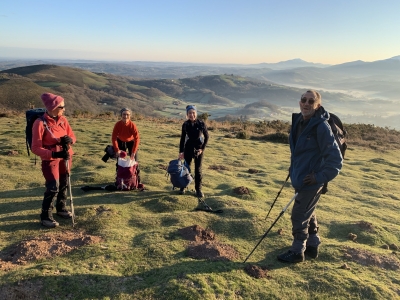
{"type": "Point", "coordinates": [196, 152]}
{"type": "Point", "coordinates": [109, 150]}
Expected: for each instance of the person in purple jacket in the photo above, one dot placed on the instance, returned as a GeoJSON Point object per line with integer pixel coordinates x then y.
{"type": "Point", "coordinates": [315, 159]}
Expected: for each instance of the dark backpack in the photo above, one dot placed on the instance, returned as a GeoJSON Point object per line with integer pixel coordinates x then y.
{"type": "Point", "coordinates": [31, 116]}
{"type": "Point", "coordinates": [340, 134]}
{"type": "Point", "coordinates": [179, 173]}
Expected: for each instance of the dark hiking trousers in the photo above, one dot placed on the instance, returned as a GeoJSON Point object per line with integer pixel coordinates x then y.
{"type": "Point", "coordinates": [304, 220]}
{"type": "Point", "coordinates": [198, 175]}
{"type": "Point", "coordinates": [55, 174]}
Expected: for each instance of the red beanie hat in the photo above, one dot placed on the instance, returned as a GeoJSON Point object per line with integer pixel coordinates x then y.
{"type": "Point", "coordinates": [51, 101]}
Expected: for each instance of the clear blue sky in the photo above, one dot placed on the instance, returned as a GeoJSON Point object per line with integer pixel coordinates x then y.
{"type": "Point", "coordinates": [203, 31]}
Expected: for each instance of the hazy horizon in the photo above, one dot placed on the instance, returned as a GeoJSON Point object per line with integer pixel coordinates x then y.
{"type": "Point", "coordinates": [210, 32]}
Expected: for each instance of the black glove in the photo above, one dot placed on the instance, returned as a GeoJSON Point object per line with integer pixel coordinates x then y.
{"type": "Point", "coordinates": [65, 140]}
{"type": "Point", "coordinates": [309, 179]}
{"type": "Point", "coordinates": [60, 154]}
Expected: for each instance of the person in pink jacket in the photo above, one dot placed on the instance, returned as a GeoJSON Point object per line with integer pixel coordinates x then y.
{"type": "Point", "coordinates": [49, 134]}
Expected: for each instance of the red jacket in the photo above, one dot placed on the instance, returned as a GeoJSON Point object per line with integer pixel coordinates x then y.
{"type": "Point", "coordinates": [44, 142]}
{"type": "Point", "coordinates": [126, 133]}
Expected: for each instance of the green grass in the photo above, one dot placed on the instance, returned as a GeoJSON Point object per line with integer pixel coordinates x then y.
{"type": "Point", "coordinates": [145, 257]}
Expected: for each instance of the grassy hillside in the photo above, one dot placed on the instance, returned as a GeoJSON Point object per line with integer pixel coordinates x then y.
{"type": "Point", "coordinates": [136, 250]}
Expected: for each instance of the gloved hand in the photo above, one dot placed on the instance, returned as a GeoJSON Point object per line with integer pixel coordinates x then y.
{"type": "Point", "coordinates": [60, 154]}
{"type": "Point", "coordinates": [309, 179]}
{"type": "Point", "coordinates": [65, 140]}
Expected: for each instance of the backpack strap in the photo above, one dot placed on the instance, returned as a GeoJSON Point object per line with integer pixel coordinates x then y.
{"type": "Point", "coordinates": [48, 129]}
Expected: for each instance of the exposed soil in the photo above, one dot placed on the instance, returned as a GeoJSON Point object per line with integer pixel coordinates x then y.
{"type": "Point", "coordinates": [366, 226]}
{"type": "Point", "coordinates": [366, 258]}
{"type": "Point", "coordinates": [256, 271]}
{"type": "Point", "coordinates": [102, 209]}
{"type": "Point", "coordinates": [163, 167]}
{"type": "Point", "coordinates": [352, 236]}
{"type": "Point", "coordinates": [196, 233]}
{"type": "Point", "coordinates": [12, 153]}
{"type": "Point", "coordinates": [241, 190]}
{"type": "Point", "coordinates": [45, 246]}
{"type": "Point", "coordinates": [253, 171]}
{"type": "Point", "coordinates": [218, 167]}
{"type": "Point", "coordinates": [204, 245]}
{"type": "Point", "coordinates": [213, 251]}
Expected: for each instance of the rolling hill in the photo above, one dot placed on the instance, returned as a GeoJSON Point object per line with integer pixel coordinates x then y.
{"type": "Point", "coordinates": [220, 95]}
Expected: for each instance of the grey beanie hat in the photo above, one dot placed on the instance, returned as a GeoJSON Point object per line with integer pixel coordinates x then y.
{"type": "Point", "coordinates": [125, 109]}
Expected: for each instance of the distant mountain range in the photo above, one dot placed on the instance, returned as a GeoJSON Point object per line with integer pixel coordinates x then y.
{"type": "Point", "coordinates": [365, 92]}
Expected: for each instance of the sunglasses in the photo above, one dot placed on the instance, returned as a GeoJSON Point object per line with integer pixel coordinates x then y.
{"type": "Point", "coordinates": [61, 107]}
{"type": "Point", "coordinates": [311, 101]}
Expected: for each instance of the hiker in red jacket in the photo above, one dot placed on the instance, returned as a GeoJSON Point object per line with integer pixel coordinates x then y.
{"type": "Point", "coordinates": [125, 135]}
{"type": "Point", "coordinates": [49, 134]}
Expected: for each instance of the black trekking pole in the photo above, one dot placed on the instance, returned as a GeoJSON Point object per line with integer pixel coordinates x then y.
{"type": "Point", "coordinates": [273, 203]}
{"type": "Point", "coordinates": [71, 203]}
{"type": "Point", "coordinates": [269, 229]}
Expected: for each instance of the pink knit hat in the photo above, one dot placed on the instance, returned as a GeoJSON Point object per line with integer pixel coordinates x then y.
{"type": "Point", "coordinates": [51, 101]}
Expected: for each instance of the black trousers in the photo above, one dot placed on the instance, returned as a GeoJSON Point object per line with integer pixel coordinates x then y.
{"type": "Point", "coordinates": [198, 175]}
{"type": "Point", "coordinates": [124, 146]}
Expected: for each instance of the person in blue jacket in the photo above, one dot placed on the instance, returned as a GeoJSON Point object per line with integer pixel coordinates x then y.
{"type": "Point", "coordinates": [315, 159]}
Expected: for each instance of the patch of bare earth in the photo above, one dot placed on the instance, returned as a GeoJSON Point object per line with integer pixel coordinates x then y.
{"type": "Point", "coordinates": [241, 190]}
{"type": "Point", "coordinates": [366, 226]}
{"type": "Point", "coordinates": [256, 271]}
{"type": "Point", "coordinates": [253, 171]}
{"type": "Point", "coordinates": [196, 233]}
{"type": "Point", "coordinates": [203, 245]}
{"type": "Point", "coordinates": [218, 168]}
{"type": "Point", "coordinates": [45, 246]}
{"type": "Point", "coordinates": [22, 290]}
{"type": "Point", "coordinates": [366, 258]}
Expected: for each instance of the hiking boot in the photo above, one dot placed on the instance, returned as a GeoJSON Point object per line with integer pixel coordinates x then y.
{"type": "Point", "coordinates": [50, 223]}
{"type": "Point", "coordinates": [64, 214]}
{"type": "Point", "coordinates": [291, 257]}
{"type": "Point", "coordinates": [199, 194]}
{"type": "Point", "coordinates": [182, 191]}
{"type": "Point", "coordinates": [311, 252]}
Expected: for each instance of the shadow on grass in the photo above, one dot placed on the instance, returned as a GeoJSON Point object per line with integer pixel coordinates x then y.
{"type": "Point", "coordinates": [341, 233]}
{"type": "Point", "coordinates": [141, 284]}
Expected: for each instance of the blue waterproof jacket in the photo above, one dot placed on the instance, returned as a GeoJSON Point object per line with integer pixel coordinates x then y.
{"type": "Point", "coordinates": [314, 151]}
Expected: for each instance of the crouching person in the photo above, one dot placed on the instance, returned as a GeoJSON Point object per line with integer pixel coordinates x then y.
{"type": "Point", "coordinates": [315, 159]}
{"type": "Point", "coordinates": [49, 133]}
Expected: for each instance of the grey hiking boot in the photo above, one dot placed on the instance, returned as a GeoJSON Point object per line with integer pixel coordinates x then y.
{"type": "Point", "coordinates": [64, 214]}
{"type": "Point", "coordinates": [50, 223]}
{"type": "Point", "coordinates": [291, 257]}
{"type": "Point", "coordinates": [311, 252]}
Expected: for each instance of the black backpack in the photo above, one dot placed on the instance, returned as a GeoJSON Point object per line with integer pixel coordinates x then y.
{"type": "Point", "coordinates": [31, 116]}
{"type": "Point", "coordinates": [340, 134]}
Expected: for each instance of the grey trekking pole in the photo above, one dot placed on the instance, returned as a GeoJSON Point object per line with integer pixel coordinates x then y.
{"type": "Point", "coordinates": [273, 203]}
{"type": "Point", "coordinates": [71, 203]}
{"type": "Point", "coordinates": [269, 229]}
